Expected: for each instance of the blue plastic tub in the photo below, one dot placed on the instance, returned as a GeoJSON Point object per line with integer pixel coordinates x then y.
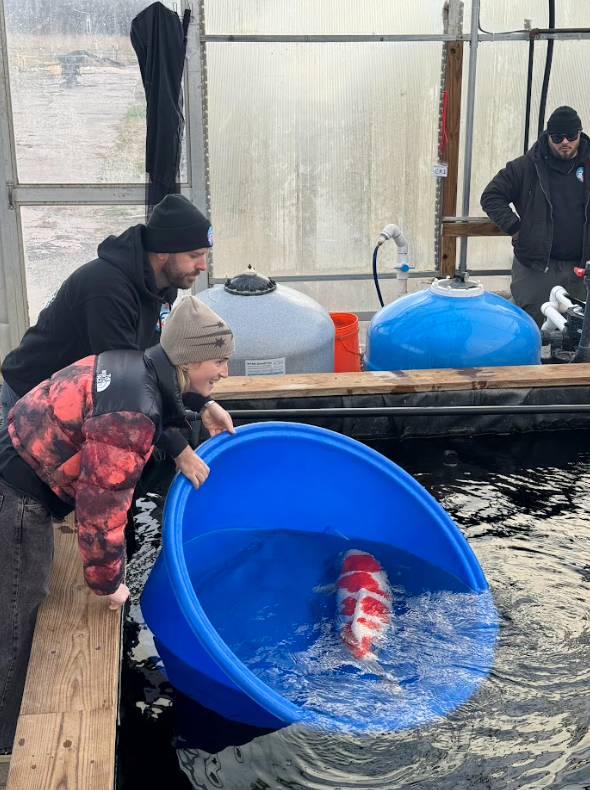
{"type": "Point", "coordinates": [285, 476]}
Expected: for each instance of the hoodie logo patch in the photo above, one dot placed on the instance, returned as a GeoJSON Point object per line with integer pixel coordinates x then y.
{"type": "Point", "coordinates": [164, 313]}
{"type": "Point", "coordinates": [103, 379]}
{"type": "Point", "coordinates": [580, 173]}
{"type": "Point", "coordinates": [210, 236]}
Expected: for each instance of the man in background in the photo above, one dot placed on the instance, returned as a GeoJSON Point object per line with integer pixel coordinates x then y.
{"type": "Point", "coordinates": [550, 190]}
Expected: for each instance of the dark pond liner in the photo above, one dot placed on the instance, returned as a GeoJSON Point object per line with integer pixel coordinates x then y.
{"type": "Point", "coordinates": [410, 426]}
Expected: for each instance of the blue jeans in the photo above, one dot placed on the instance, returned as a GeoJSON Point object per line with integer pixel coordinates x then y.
{"type": "Point", "coordinates": [8, 397]}
{"type": "Point", "coordinates": [26, 556]}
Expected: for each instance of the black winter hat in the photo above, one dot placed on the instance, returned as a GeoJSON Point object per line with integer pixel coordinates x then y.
{"type": "Point", "coordinates": [177, 226]}
{"type": "Point", "coordinates": [564, 120]}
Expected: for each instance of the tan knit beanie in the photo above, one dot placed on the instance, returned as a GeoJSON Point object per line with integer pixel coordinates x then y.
{"type": "Point", "coordinates": [194, 333]}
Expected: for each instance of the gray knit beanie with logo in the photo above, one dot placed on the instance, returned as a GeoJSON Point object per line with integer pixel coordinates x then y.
{"type": "Point", "coordinates": [194, 333]}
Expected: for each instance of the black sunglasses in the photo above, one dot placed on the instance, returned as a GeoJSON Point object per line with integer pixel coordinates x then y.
{"type": "Point", "coordinates": [557, 138]}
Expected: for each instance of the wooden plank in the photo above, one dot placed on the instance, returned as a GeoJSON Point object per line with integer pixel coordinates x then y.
{"type": "Point", "coordinates": [471, 226]}
{"type": "Point", "coordinates": [64, 751]}
{"type": "Point", "coordinates": [454, 79]}
{"type": "Point", "coordinates": [71, 693]}
{"type": "Point", "coordinates": [399, 381]}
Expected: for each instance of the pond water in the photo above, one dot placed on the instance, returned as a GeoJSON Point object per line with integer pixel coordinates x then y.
{"type": "Point", "coordinates": [523, 502]}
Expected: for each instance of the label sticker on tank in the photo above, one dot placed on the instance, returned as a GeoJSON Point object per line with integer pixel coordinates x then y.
{"type": "Point", "coordinates": [265, 367]}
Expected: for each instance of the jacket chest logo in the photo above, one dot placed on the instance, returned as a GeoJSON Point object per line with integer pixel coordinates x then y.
{"type": "Point", "coordinates": [103, 379]}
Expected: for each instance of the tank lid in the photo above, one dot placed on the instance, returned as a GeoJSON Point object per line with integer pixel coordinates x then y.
{"type": "Point", "coordinates": [250, 283]}
{"type": "Point", "coordinates": [460, 285]}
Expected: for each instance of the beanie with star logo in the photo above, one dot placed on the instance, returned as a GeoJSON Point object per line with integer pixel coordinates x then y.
{"type": "Point", "coordinates": [194, 333]}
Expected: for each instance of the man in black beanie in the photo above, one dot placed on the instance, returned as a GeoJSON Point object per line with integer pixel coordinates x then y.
{"type": "Point", "coordinates": [121, 300]}
{"type": "Point", "coordinates": [550, 189]}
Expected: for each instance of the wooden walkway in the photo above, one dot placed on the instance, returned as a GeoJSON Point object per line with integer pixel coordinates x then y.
{"type": "Point", "coordinates": [67, 728]}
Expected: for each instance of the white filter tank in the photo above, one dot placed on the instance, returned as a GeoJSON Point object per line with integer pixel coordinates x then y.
{"type": "Point", "coordinates": [276, 329]}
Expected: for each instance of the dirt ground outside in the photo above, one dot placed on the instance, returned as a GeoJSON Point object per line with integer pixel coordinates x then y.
{"type": "Point", "coordinates": [92, 131]}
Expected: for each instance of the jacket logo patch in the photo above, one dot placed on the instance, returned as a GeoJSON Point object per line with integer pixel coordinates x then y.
{"type": "Point", "coordinates": [103, 379]}
{"type": "Point", "coordinates": [580, 173]}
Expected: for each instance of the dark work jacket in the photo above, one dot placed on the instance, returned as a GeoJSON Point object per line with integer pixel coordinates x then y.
{"type": "Point", "coordinates": [524, 182]}
{"type": "Point", "coordinates": [79, 441]}
{"type": "Point", "coordinates": [110, 303]}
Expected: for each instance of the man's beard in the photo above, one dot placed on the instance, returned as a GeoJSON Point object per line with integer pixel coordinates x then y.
{"type": "Point", "coordinates": [174, 275]}
{"type": "Point", "coordinates": [566, 154]}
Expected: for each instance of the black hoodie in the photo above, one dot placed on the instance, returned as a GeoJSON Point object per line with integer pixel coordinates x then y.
{"type": "Point", "coordinates": [111, 302]}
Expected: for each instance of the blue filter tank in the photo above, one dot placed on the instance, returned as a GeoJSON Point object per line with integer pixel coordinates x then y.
{"type": "Point", "coordinates": [455, 323]}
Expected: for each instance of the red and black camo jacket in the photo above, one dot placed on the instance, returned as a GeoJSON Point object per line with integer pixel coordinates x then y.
{"type": "Point", "coordinates": [87, 447]}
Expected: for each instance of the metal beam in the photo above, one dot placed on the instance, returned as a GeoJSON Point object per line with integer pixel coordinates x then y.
{"type": "Point", "coordinates": [304, 278]}
{"type": "Point", "coordinates": [14, 311]}
{"type": "Point", "coordinates": [568, 34]}
{"type": "Point", "coordinates": [327, 39]}
{"type": "Point", "coordinates": [469, 124]}
{"type": "Point", "coordinates": [195, 77]}
{"type": "Point", "coordinates": [403, 411]}
{"type": "Point", "coordinates": [565, 34]}
{"type": "Point", "coordinates": [311, 278]}
{"type": "Point", "coordinates": [81, 194]}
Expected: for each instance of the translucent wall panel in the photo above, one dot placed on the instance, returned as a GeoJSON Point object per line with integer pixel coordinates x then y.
{"type": "Point", "coordinates": [267, 17]}
{"type": "Point", "coordinates": [499, 15]}
{"type": "Point", "coordinates": [315, 147]}
{"type": "Point", "coordinates": [324, 17]}
{"type": "Point", "coordinates": [354, 295]}
{"type": "Point", "coordinates": [500, 115]}
{"type": "Point", "coordinates": [59, 239]}
{"type": "Point", "coordinates": [77, 96]}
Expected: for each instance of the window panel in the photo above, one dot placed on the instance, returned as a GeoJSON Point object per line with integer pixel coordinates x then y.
{"type": "Point", "coordinates": [59, 239]}
{"type": "Point", "coordinates": [265, 17]}
{"type": "Point", "coordinates": [77, 96]}
{"type": "Point", "coordinates": [314, 148]}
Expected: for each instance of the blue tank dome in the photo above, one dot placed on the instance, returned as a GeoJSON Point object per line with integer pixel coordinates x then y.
{"type": "Point", "coordinates": [452, 324]}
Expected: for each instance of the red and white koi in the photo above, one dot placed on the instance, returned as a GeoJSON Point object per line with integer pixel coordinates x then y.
{"type": "Point", "coordinates": [363, 598]}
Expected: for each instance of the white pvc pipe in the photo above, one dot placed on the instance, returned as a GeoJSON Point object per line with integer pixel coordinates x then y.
{"type": "Point", "coordinates": [393, 232]}
{"type": "Point", "coordinates": [559, 298]}
{"type": "Point", "coordinates": [555, 320]}
{"type": "Point", "coordinates": [402, 282]}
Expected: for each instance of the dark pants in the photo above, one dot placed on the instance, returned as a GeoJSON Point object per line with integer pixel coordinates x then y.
{"type": "Point", "coordinates": [530, 289]}
{"type": "Point", "coordinates": [26, 556]}
{"type": "Point", "coordinates": [8, 397]}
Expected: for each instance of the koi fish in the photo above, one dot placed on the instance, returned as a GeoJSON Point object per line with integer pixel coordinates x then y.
{"type": "Point", "coordinates": [363, 598]}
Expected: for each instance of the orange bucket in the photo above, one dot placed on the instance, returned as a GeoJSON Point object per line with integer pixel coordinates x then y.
{"type": "Point", "coordinates": [347, 356]}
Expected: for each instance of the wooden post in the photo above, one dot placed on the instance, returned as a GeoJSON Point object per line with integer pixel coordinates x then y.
{"type": "Point", "coordinates": [454, 78]}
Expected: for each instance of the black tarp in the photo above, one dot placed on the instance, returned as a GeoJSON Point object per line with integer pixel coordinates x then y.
{"type": "Point", "coordinates": [159, 40]}
{"type": "Point", "coordinates": [401, 427]}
